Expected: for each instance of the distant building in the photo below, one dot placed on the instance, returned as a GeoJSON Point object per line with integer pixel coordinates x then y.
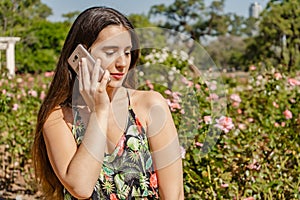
{"type": "Point", "coordinates": [255, 10]}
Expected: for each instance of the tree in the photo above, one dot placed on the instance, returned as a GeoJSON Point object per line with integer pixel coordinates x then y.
{"type": "Point", "coordinates": [279, 36]}
{"type": "Point", "coordinates": [227, 51]}
{"type": "Point", "coordinates": [16, 15]}
{"type": "Point", "coordinates": [71, 16]}
{"type": "Point", "coordinates": [41, 45]}
{"type": "Point", "coordinates": [193, 18]}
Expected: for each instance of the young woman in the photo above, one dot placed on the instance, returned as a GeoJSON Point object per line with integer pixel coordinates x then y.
{"type": "Point", "coordinates": [95, 138]}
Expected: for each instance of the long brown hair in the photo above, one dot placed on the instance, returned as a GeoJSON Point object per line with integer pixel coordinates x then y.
{"type": "Point", "coordinates": [85, 31]}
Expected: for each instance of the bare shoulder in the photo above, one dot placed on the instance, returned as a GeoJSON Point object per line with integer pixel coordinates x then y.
{"type": "Point", "coordinates": [59, 114]}
{"type": "Point", "coordinates": [148, 98]}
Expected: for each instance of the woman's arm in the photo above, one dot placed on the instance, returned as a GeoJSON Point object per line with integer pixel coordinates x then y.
{"type": "Point", "coordinates": [76, 168]}
{"type": "Point", "coordinates": [164, 144]}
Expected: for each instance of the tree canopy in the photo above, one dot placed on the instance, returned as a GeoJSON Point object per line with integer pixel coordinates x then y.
{"type": "Point", "coordinates": [278, 40]}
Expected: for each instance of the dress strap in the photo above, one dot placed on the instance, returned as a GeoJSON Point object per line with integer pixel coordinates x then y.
{"type": "Point", "coordinates": [128, 96]}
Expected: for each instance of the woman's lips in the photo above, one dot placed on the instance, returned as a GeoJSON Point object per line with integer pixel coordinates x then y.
{"type": "Point", "coordinates": [117, 76]}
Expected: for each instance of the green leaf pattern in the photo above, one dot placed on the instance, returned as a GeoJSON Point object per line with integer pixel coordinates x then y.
{"type": "Point", "coordinates": [126, 176]}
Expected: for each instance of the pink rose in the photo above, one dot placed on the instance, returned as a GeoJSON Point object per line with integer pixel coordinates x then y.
{"type": "Point", "coordinates": [236, 98]}
{"type": "Point", "coordinates": [32, 93]}
{"type": "Point", "coordinates": [168, 92]}
{"type": "Point", "coordinates": [198, 144]}
{"type": "Point", "coordinates": [207, 119]}
{"type": "Point", "coordinates": [49, 74]}
{"type": "Point", "coordinates": [277, 76]}
{"type": "Point", "coordinates": [149, 84]}
{"type": "Point", "coordinates": [288, 114]}
{"type": "Point", "coordinates": [275, 104]}
{"type": "Point", "coordinates": [224, 185]}
{"type": "Point", "coordinates": [213, 97]}
{"type": "Point", "coordinates": [182, 150]}
{"type": "Point", "coordinates": [42, 95]}
{"type": "Point", "coordinates": [293, 82]}
{"type": "Point", "coordinates": [252, 68]}
{"type": "Point", "coordinates": [15, 107]}
{"type": "Point", "coordinates": [225, 124]}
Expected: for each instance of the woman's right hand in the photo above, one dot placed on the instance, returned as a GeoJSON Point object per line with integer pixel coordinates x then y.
{"type": "Point", "coordinates": [91, 88]}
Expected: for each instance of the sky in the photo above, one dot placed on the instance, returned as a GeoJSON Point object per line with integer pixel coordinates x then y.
{"type": "Point", "coordinates": [127, 7]}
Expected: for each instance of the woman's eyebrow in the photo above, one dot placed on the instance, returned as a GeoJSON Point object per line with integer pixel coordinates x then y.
{"type": "Point", "coordinates": [115, 47]}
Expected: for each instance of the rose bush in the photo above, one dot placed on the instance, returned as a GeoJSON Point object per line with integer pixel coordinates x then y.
{"type": "Point", "coordinates": [251, 151]}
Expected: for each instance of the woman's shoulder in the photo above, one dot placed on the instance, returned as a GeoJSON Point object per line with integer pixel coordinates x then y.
{"type": "Point", "coordinates": [148, 98]}
{"type": "Point", "coordinates": [59, 113]}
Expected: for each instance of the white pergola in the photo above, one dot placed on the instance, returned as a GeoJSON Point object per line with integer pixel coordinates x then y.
{"type": "Point", "coordinates": [8, 44]}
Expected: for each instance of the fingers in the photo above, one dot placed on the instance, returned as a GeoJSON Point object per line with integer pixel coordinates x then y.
{"type": "Point", "coordinates": [95, 75]}
{"type": "Point", "coordinates": [103, 83]}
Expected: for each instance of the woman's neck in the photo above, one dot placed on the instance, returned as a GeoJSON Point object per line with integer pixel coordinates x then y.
{"type": "Point", "coordinates": [116, 93]}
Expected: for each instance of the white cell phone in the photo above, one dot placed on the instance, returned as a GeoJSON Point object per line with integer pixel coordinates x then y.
{"type": "Point", "coordinates": [81, 52]}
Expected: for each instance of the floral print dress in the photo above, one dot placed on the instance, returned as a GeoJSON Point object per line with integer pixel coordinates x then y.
{"type": "Point", "coordinates": [128, 172]}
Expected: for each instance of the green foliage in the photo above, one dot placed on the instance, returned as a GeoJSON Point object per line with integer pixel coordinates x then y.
{"type": "Point", "coordinates": [20, 99]}
{"type": "Point", "coordinates": [40, 46]}
{"type": "Point", "coordinates": [227, 51]}
{"type": "Point", "coordinates": [278, 39]}
{"type": "Point", "coordinates": [258, 158]}
{"type": "Point", "coordinates": [16, 15]}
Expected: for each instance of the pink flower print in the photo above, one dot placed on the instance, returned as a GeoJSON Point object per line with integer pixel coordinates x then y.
{"type": "Point", "coordinates": [225, 124]}
{"type": "Point", "coordinates": [288, 114]}
{"type": "Point", "coordinates": [138, 124]}
{"type": "Point", "coordinates": [293, 82]}
{"type": "Point", "coordinates": [121, 144]}
{"type": "Point", "coordinates": [249, 198]}
{"type": "Point", "coordinates": [113, 196]}
{"type": "Point", "coordinates": [153, 181]}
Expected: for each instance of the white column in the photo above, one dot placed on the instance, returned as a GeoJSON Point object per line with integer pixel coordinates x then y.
{"type": "Point", "coordinates": [10, 53]}
{"type": "Point", "coordinates": [10, 58]}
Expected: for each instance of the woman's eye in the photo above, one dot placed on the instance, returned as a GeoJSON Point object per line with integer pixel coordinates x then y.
{"type": "Point", "coordinates": [109, 53]}
{"type": "Point", "coordinates": [127, 53]}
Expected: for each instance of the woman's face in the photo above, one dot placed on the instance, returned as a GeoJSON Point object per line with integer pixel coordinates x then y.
{"type": "Point", "coordinates": [112, 47]}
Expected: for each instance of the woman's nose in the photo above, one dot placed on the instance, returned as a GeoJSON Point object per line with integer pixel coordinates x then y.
{"type": "Point", "coordinates": [121, 61]}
